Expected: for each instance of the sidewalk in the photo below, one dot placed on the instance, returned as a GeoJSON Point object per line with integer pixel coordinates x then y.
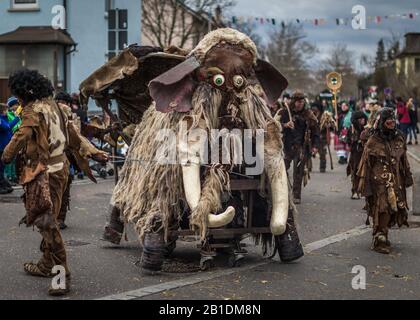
{"type": "Point", "coordinates": [414, 158]}
{"type": "Point", "coordinates": [414, 152]}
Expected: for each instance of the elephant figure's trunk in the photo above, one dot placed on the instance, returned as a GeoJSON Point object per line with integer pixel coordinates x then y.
{"type": "Point", "coordinates": [190, 150]}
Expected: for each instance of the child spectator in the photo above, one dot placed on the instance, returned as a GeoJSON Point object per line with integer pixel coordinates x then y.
{"type": "Point", "coordinates": [6, 133]}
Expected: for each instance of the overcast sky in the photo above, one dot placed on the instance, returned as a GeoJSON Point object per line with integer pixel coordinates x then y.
{"type": "Point", "coordinates": [359, 41]}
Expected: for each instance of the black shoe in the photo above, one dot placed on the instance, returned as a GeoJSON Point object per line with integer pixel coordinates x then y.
{"type": "Point", "coordinates": [409, 143]}
{"type": "Point", "coordinates": [342, 160]}
{"type": "Point", "coordinates": [111, 235]}
{"type": "Point", "coordinates": [12, 183]}
{"type": "Point", "coordinates": [62, 225]}
{"type": "Point", "coordinates": [102, 173]}
{"type": "Point", "coordinates": [6, 190]}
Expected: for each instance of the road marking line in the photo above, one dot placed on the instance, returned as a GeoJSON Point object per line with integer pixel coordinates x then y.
{"type": "Point", "coordinates": [358, 231]}
{"type": "Point", "coordinates": [413, 156]}
{"type": "Point", "coordinates": [171, 285]}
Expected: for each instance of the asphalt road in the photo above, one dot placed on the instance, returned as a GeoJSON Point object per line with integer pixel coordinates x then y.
{"type": "Point", "coordinates": [330, 228]}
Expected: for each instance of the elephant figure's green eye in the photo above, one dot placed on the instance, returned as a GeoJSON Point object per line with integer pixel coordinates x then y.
{"type": "Point", "coordinates": [219, 80]}
{"type": "Point", "coordinates": [238, 81]}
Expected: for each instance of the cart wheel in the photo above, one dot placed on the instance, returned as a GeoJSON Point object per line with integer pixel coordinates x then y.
{"type": "Point", "coordinates": [235, 260]}
{"type": "Point", "coordinates": [206, 263]}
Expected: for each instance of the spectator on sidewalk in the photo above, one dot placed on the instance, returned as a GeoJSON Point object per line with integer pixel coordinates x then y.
{"type": "Point", "coordinates": [344, 124]}
{"type": "Point", "coordinates": [403, 116]}
{"type": "Point", "coordinates": [412, 131]}
{"type": "Point", "coordinates": [14, 111]}
{"type": "Point", "coordinates": [6, 134]}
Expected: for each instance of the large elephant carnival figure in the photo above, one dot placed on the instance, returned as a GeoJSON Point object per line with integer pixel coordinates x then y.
{"type": "Point", "coordinates": [173, 181]}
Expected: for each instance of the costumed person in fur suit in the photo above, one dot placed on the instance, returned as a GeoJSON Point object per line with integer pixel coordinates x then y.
{"type": "Point", "coordinates": [301, 139]}
{"type": "Point", "coordinates": [220, 85]}
{"type": "Point", "coordinates": [326, 125]}
{"type": "Point", "coordinates": [358, 123]}
{"type": "Point", "coordinates": [384, 175]}
{"type": "Point", "coordinates": [42, 139]}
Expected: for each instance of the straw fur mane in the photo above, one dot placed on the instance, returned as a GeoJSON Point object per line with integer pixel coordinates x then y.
{"type": "Point", "coordinates": [151, 196]}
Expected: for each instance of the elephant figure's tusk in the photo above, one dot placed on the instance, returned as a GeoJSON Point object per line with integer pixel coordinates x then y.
{"type": "Point", "coordinates": [192, 187]}
{"type": "Point", "coordinates": [192, 183]}
{"type": "Point", "coordinates": [223, 219]}
{"type": "Point", "coordinates": [280, 199]}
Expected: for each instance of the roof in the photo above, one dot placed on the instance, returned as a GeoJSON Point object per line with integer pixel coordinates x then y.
{"type": "Point", "coordinates": [412, 45]}
{"type": "Point", "coordinates": [406, 53]}
{"type": "Point", "coordinates": [412, 34]}
{"type": "Point", "coordinates": [37, 35]}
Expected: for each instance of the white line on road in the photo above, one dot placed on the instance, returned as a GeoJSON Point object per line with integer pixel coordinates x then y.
{"type": "Point", "coordinates": [412, 155]}
{"type": "Point", "coordinates": [358, 231]}
{"type": "Point", "coordinates": [171, 285]}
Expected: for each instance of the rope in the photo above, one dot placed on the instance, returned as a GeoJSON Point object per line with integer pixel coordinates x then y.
{"type": "Point", "coordinates": [119, 159]}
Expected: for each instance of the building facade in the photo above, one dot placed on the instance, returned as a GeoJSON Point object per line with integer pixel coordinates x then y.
{"type": "Point", "coordinates": [408, 61]}
{"type": "Point", "coordinates": [95, 31]}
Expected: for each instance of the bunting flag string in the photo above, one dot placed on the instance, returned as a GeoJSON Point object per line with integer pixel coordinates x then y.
{"type": "Point", "coordinates": [239, 20]}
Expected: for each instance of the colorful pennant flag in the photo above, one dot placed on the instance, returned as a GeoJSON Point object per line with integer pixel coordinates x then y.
{"type": "Point", "coordinates": [235, 20]}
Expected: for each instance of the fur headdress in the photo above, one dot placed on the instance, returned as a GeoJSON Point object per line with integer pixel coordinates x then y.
{"type": "Point", "coordinates": [227, 35]}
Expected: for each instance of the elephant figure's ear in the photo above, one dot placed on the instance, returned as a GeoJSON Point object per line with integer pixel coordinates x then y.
{"type": "Point", "coordinates": [271, 80]}
{"type": "Point", "coordinates": [173, 90]}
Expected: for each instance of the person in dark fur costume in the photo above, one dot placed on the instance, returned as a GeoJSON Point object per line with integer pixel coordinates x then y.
{"type": "Point", "coordinates": [358, 121]}
{"type": "Point", "coordinates": [327, 125]}
{"type": "Point", "coordinates": [301, 139]}
{"type": "Point", "coordinates": [384, 174]}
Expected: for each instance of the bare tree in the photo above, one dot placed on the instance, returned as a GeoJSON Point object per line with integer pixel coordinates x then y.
{"type": "Point", "coordinates": [290, 53]}
{"type": "Point", "coordinates": [247, 28]}
{"type": "Point", "coordinates": [180, 22]}
{"type": "Point", "coordinates": [404, 85]}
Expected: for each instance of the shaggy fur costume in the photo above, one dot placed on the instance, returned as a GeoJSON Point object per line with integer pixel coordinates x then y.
{"type": "Point", "coordinates": [150, 194]}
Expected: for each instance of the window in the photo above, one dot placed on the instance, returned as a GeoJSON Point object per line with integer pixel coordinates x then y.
{"type": "Point", "coordinates": [417, 65]}
{"type": "Point", "coordinates": [25, 4]}
{"type": "Point", "coordinates": [38, 57]}
{"type": "Point", "coordinates": [117, 32]}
